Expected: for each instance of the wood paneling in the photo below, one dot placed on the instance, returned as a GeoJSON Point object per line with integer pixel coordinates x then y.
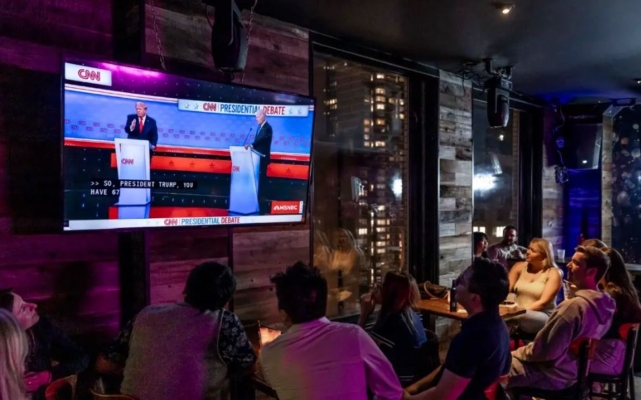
{"type": "Point", "coordinates": [553, 213]}
{"type": "Point", "coordinates": [456, 171]}
{"type": "Point", "coordinates": [607, 175]}
{"type": "Point", "coordinates": [278, 59]}
{"type": "Point", "coordinates": [72, 277]}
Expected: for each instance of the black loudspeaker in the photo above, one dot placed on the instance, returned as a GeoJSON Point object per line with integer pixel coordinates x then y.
{"type": "Point", "coordinates": [498, 102]}
{"type": "Point", "coordinates": [579, 145]}
{"type": "Point", "coordinates": [228, 38]}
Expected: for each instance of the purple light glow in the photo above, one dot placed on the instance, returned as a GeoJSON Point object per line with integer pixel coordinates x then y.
{"type": "Point", "coordinates": [131, 71]}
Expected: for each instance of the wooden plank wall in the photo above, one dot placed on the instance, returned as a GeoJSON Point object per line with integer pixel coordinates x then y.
{"type": "Point", "coordinates": [278, 59]}
{"type": "Point", "coordinates": [456, 171]}
{"type": "Point", "coordinates": [607, 174]}
{"type": "Point", "coordinates": [72, 277]}
{"type": "Point", "coordinates": [553, 211]}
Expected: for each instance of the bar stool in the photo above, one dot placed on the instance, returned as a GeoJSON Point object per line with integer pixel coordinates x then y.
{"type": "Point", "coordinates": [618, 385]}
{"type": "Point", "coordinates": [584, 353]}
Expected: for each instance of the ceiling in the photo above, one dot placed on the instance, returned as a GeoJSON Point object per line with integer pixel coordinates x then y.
{"type": "Point", "coordinates": [559, 48]}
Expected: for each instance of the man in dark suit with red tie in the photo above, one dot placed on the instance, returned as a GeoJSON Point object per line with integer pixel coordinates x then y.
{"type": "Point", "coordinates": [140, 126]}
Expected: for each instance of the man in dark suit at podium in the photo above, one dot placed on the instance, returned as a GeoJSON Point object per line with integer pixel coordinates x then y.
{"type": "Point", "coordinates": [263, 144]}
{"type": "Point", "coordinates": [140, 126]}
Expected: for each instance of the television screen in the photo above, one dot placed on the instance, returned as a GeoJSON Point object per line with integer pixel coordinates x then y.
{"type": "Point", "coordinates": [147, 149]}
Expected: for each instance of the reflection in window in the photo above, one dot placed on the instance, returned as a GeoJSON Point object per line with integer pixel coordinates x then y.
{"type": "Point", "coordinates": [496, 173]}
{"type": "Point", "coordinates": [360, 207]}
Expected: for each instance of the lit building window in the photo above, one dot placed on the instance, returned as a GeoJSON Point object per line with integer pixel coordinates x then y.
{"type": "Point", "coordinates": [366, 122]}
{"type": "Point", "coordinates": [381, 99]}
{"type": "Point", "coordinates": [380, 76]}
{"type": "Point", "coordinates": [401, 102]}
{"type": "Point", "coordinates": [380, 121]}
{"type": "Point", "coordinates": [381, 251]}
{"type": "Point", "coordinates": [380, 91]}
{"type": "Point", "coordinates": [366, 129]}
{"type": "Point", "coordinates": [366, 137]}
{"type": "Point", "coordinates": [401, 116]}
{"type": "Point", "coordinates": [380, 186]}
{"type": "Point", "coordinates": [366, 144]}
{"type": "Point", "coordinates": [362, 231]}
{"type": "Point", "coordinates": [392, 100]}
{"type": "Point", "coordinates": [380, 106]}
{"type": "Point", "coordinates": [381, 230]}
{"type": "Point", "coordinates": [478, 229]}
{"type": "Point", "coordinates": [498, 231]}
{"type": "Point", "coordinates": [381, 244]}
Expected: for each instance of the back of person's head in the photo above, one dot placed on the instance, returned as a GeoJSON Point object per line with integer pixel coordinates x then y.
{"type": "Point", "coordinates": [302, 293]}
{"type": "Point", "coordinates": [595, 258]}
{"type": "Point", "coordinates": [544, 246]}
{"type": "Point", "coordinates": [210, 286]}
{"type": "Point", "coordinates": [618, 281]}
{"type": "Point", "coordinates": [6, 299]}
{"type": "Point", "coordinates": [489, 280]}
{"type": "Point", "coordinates": [478, 237]}
{"type": "Point", "coordinates": [594, 243]}
{"type": "Point", "coordinates": [509, 228]}
{"type": "Point", "coordinates": [398, 293]}
{"type": "Point", "coordinates": [13, 352]}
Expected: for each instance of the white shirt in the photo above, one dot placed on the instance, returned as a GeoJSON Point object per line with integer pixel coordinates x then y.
{"type": "Point", "coordinates": [328, 360]}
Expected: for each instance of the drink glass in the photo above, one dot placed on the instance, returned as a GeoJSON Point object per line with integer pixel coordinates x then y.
{"type": "Point", "coordinates": [560, 254]}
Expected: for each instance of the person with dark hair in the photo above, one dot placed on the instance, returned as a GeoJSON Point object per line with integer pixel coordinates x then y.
{"type": "Point", "coordinates": [319, 359]}
{"type": "Point", "coordinates": [480, 353]}
{"type": "Point", "coordinates": [52, 355]}
{"type": "Point", "coordinates": [610, 350]}
{"type": "Point", "coordinates": [507, 248]}
{"type": "Point", "coordinates": [398, 329]}
{"type": "Point", "coordinates": [548, 362]}
{"type": "Point", "coordinates": [183, 350]}
{"type": "Point", "coordinates": [479, 244]}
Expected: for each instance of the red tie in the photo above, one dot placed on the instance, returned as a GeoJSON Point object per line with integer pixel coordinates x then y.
{"type": "Point", "coordinates": [141, 125]}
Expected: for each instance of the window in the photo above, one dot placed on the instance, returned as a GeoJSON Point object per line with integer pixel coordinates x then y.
{"type": "Point", "coordinates": [478, 229]}
{"type": "Point", "coordinates": [496, 173]}
{"type": "Point", "coordinates": [360, 202]}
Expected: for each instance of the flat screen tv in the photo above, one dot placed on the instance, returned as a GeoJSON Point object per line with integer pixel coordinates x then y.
{"type": "Point", "coordinates": [146, 149]}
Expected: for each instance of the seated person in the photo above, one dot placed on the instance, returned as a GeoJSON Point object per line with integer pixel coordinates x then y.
{"type": "Point", "coordinates": [13, 353]}
{"type": "Point", "coordinates": [548, 362]}
{"type": "Point", "coordinates": [184, 350]}
{"type": "Point", "coordinates": [536, 282]}
{"type": "Point", "coordinates": [507, 248]}
{"type": "Point", "coordinates": [480, 354]}
{"type": "Point", "coordinates": [479, 243]}
{"type": "Point", "coordinates": [48, 346]}
{"type": "Point", "coordinates": [398, 329]}
{"type": "Point", "coordinates": [610, 350]}
{"type": "Point", "coordinates": [317, 359]}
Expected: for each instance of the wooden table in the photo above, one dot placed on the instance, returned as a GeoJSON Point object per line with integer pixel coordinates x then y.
{"type": "Point", "coordinates": [441, 307]}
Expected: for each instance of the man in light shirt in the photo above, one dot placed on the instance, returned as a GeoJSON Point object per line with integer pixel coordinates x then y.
{"type": "Point", "coordinates": [507, 248]}
{"type": "Point", "coordinates": [319, 359]}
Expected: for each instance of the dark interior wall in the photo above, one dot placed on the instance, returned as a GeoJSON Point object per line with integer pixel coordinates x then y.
{"type": "Point", "coordinates": [626, 183]}
{"type": "Point", "coordinates": [583, 206]}
{"type": "Point", "coordinates": [73, 278]}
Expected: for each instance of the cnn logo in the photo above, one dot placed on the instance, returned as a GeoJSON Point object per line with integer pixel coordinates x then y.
{"type": "Point", "coordinates": [127, 161]}
{"type": "Point", "coordinates": [171, 221]}
{"type": "Point", "coordinates": [89, 75]}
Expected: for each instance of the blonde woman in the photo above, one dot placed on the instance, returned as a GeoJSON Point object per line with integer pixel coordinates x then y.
{"type": "Point", "coordinates": [13, 352]}
{"type": "Point", "coordinates": [536, 282]}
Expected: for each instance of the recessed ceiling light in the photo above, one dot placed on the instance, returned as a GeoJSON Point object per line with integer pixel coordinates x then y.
{"type": "Point", "coordinates": [637, 80]}
{"type": "Point", "coordinates": [505, 8]}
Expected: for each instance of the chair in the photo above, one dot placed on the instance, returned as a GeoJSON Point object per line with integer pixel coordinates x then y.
{"type": "Point", "coordinates": [583, 348]}
{"type": "Point", "coordinates": [100, 396]}
{"type": "Point", "coordinates": [618, 385]}
{"type": "Point", "coordinates": [62, 389]}
{"type": "Point", "coordinates": [495, 390]}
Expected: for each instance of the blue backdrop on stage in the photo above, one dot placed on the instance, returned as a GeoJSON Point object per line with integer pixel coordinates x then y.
{"type": "Point", "coordinates": [98, 117]}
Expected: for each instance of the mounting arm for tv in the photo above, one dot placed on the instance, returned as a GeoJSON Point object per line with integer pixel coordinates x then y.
{"type": "Point", "coordinates": [501, 72]}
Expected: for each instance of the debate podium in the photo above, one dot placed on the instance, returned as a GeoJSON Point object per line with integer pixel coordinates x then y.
{"type": "Point", "coordinates": [245, 176]}
{"type": "Point", "coordinates": [132, 160]}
